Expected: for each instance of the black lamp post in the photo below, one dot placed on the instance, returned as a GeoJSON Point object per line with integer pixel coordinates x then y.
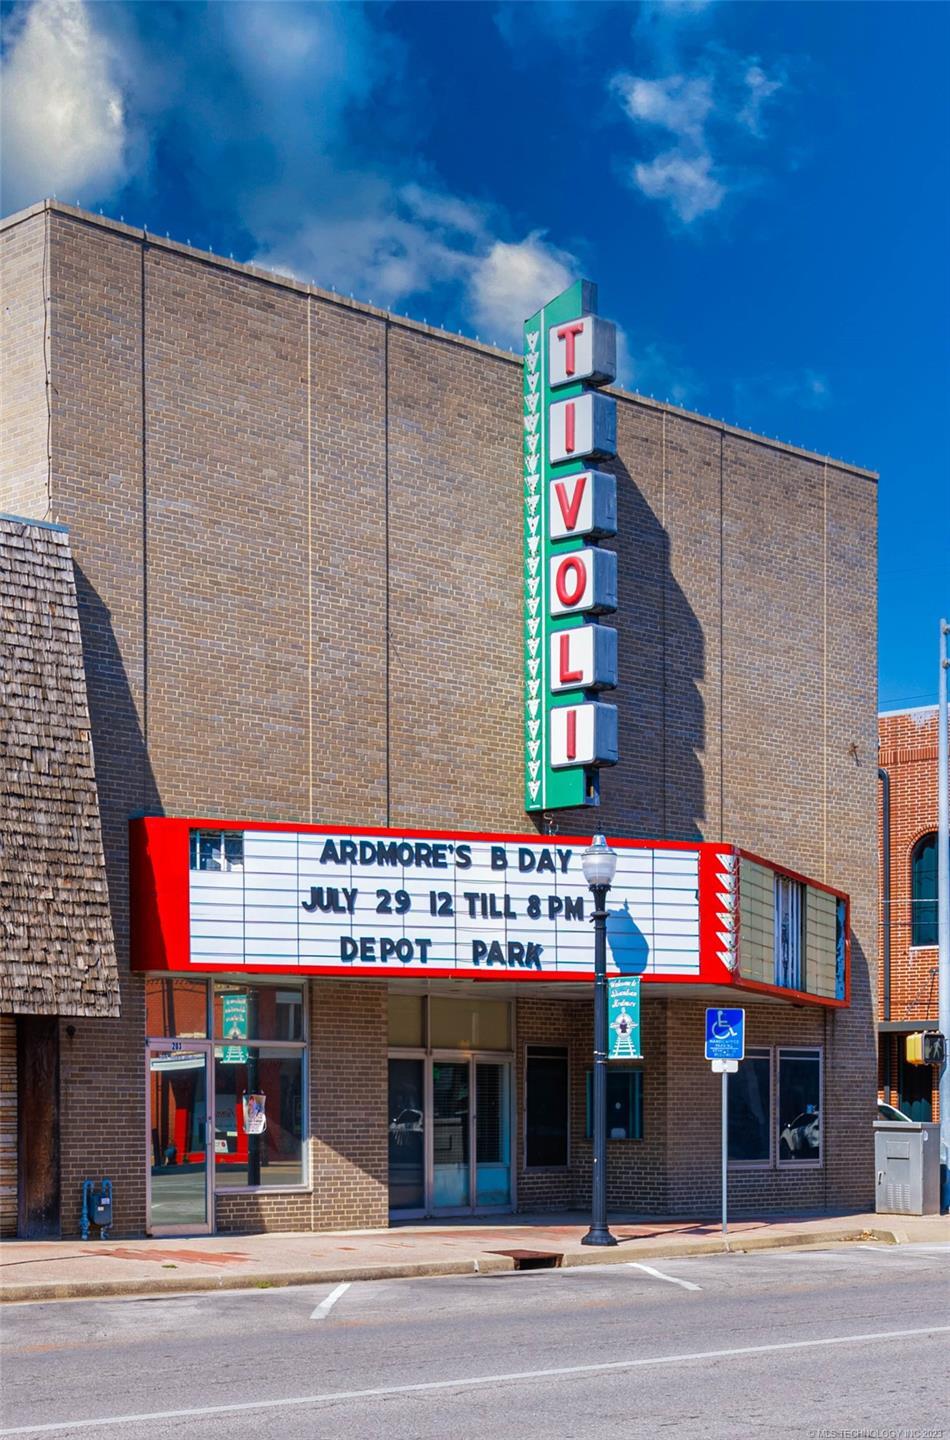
{"type": "Point", "coordinates": [600, 865]}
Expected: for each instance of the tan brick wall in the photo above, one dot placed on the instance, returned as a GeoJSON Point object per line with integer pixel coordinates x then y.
{"type": "Point", "coordinates": [257, 449]}
{"type": "Point", "coordinates": [544, 1022]}
{"type": "Point", "coordinates": [350, 1104]}
{"type": "Point", "coordinates": [638, 1171]}
{"type": "Point", "coordinates": [8, 1126]}
{"type": "Point", "coordinates": [25, 347]}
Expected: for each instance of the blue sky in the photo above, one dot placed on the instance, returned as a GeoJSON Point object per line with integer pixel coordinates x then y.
{"type": "Point", "coordinates": [761, 191]}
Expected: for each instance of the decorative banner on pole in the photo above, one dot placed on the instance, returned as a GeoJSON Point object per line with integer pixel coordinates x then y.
{"type": "Point", "coordinates": [568, 508]}
{"type": "Point", "coordinates": [234, 1027]}
{"type": "Point", "coordinates": [623, 1018]}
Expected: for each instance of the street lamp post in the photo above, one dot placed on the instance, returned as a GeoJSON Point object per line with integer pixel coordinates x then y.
{"type": "Point", "coordinates": [599, 864]}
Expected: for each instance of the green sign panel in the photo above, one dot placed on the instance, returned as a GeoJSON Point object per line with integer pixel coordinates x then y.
{"type": "Point", "coordinates": [569, 507]}
{"type": "Point", "coordinates": [234, 1027]}
{"type": "Point", "coordinates": [623, 1018]}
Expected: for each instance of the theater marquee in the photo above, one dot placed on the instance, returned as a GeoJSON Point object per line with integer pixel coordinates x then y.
{"type": "Point", "coordinates": [226, 897]}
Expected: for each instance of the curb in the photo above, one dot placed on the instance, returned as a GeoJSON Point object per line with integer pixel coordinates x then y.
{"type": "Point", "coordinates": [487, 1263]}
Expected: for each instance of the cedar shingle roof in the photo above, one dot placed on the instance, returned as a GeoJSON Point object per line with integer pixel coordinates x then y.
{"type": "Point", "coordinates": [57, 952]}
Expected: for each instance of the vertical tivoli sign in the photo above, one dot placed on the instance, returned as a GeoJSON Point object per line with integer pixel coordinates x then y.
{"type": "Point", "coordinates": [569, 507]}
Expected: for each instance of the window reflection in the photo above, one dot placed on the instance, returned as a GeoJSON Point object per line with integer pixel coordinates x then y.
{"type": "Point", "coordinates": [258, 1117]}
{"type": "Point", "coordinates": [799, 1118]}
{"type": "Point", "coordinates": [176, 1009]}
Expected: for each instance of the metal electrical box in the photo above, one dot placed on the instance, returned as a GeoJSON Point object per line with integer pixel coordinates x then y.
{"type": "Point", "coordinates": [907, 1168]}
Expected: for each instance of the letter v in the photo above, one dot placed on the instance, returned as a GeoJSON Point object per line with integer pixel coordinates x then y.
{"type": "Point", "coordinates": [570, 509]}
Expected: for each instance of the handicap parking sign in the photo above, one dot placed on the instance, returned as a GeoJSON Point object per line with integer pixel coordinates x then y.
{"type": "Point", "coordinates": [725, 1034]}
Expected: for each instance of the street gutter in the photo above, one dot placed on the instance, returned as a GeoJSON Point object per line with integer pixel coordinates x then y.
{"type": "Point", "coordinates": [485, 1263]}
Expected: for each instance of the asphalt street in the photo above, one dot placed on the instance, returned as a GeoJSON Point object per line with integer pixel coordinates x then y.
{"type": "Point", "coordinates": [849, 1341]}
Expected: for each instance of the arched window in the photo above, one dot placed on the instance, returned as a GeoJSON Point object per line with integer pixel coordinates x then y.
{"type": "Point", "coordinates": [923, 889]}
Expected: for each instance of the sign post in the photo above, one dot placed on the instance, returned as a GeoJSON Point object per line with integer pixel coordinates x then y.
{"type": "Point", "coordinates": [725, 1047]}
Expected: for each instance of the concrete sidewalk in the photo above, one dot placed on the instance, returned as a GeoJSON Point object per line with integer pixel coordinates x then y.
{"type": "Point", "coordinates": [71, 1269]}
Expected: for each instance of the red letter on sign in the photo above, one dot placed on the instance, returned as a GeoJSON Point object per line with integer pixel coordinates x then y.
{"type": "Point", "coordinates": [569, 508]}
{"type": "Point", "coordinates": [569, 426]}
{"type": "Point", "coordinates": [567, 333]}
{"type": "Point", "coordinates": [565, 674]}
{"type": "Point", "coordinates": [570, 580]}
{"type": "Point", "coordinates": [572, 734]}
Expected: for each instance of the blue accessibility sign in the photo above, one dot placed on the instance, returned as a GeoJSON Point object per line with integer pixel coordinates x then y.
{"type": "Point", "coordinates": [725, 1034]}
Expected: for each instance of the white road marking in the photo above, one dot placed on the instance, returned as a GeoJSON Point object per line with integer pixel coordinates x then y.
{"type": "Point", "coordinates": [659, 1275]}
{"type": "Point", "coordinates": [325, 1306]}
{"type": "Point", "coordinates": [471, 1382]}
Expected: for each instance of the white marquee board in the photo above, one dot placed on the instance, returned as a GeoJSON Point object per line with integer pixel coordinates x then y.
{"type": "Point", "coordinates": [391, 905]}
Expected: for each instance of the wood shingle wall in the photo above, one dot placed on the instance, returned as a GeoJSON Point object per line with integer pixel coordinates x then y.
{"type": "Point", "coordinates": [57, 952]}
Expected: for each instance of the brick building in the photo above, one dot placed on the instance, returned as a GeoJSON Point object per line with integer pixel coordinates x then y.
{"type": "Point", "coordinates": [296, 525]}
{"type": "Point", "coordinates": [907, 982]}
{"type": "Point", "coordinates": [56, 940]}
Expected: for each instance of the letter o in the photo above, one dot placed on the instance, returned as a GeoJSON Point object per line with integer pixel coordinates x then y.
{"type": "Point", "coordinates": [570, 578]}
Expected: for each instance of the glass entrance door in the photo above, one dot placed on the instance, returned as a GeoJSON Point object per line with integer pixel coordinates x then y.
{"type": "Point", "coordinates": [179, 1134]}
{"type": "Point", "coordinates": [492, 1134]}
{"type": "Point", "coordinates": [407, 1152]}
{"type": "Point", "coordinates": [451, 1135]}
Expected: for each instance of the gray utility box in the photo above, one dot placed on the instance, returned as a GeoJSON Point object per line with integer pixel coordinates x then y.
{"type": "Point", "coordinates": [907, 1166]}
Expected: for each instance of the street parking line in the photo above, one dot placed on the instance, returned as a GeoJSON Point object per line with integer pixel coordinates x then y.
{"type": "Point", "coordinates": [633, 1362]}
{"type": "Point", "coordinates": [659, 1275]}
{"type": "Point", "coordinates": [325, 1306]}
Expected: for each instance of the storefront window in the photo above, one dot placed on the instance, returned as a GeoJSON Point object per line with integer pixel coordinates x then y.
{"type": "Point", "coordinates": [624, 1104]}
{"type": "Point", "coordinates": [258, 1116]}
{"type": "Point", "coordinates": [546, 1107]}
{"type": "Point", "coordinates": [176, 1009]}
{"type": "Point", "coordinates": [799, 1106]}
{"type": "Point", "coordinates": [243, 1011]}
{"type": "Point", "coordinates": [750, 1109]}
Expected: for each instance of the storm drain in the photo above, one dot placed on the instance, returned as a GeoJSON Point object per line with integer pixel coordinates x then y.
{"type": "Point", "coordinates": [532, 1259]}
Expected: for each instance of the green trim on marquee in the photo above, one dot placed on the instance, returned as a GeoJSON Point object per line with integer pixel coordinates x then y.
{"type": "Point", "coordinates": [547, 789]}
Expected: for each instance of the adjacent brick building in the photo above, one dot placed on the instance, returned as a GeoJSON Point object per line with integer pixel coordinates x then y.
{"type": "Point", "coordinates": [907, 988]}
{"type": "Point", "coordinates": [279, 503]}
{"type": "Point", "coordinates": [56, 942]}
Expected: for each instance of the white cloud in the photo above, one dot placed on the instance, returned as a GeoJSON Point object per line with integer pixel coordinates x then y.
{"type": "Point", "coordinates": [510, 282]}
{"type": "Point", "coordinates": [760, 88]}
{"type": "Point", "coordinates": [686, 181]}
{"type": "Point", "coordinates": [63, 114]}
{"type": "Point", "coordinates": [375, 252]}
{"type": "Point", "coordinates": [705, 115]}
{"type": "Point", "coordinates": [268, 104]}
{"type": "Point", "coordinates": [399, 245]}
{"type": "Point", "coordinates": [444, 210]}
{"type": "Point", "coordinates": [677, 103]}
